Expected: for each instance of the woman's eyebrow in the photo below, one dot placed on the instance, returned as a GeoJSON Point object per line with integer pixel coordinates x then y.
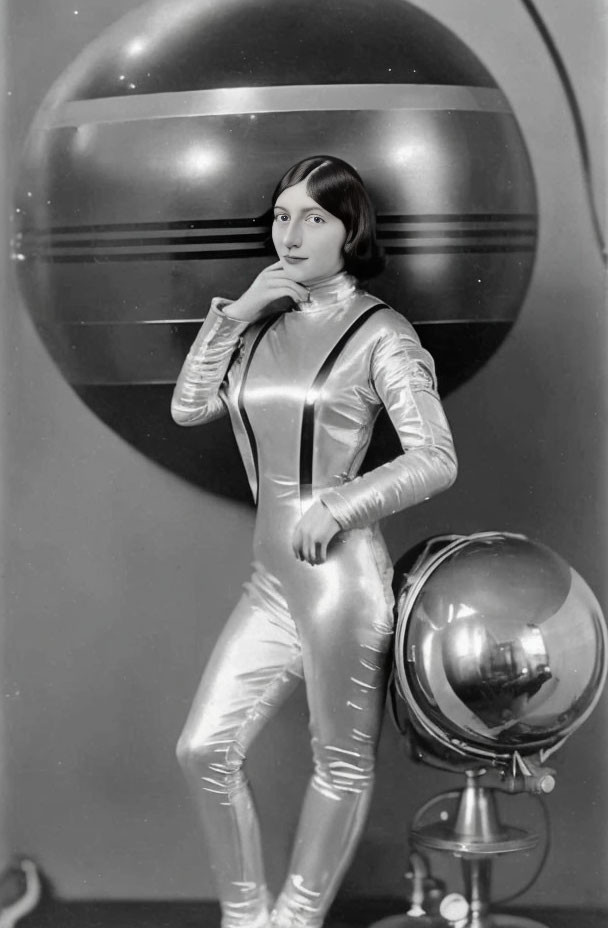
{"type": "Point", "coordinates": [307, 209]}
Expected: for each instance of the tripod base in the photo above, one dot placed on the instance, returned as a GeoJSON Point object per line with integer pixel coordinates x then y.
{"type": "Point", "coordinates": [429, 921]}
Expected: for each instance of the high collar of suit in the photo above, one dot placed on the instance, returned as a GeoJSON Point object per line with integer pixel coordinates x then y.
{"type": "Point", "coordinates": [329, 292]}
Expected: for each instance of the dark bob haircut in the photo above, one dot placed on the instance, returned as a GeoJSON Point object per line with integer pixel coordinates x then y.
{"type": "Point", "coordinates": [338, 188]}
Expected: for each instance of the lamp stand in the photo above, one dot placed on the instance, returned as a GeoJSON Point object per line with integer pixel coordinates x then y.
{"type": "Point", "coordinates": [474, 834]}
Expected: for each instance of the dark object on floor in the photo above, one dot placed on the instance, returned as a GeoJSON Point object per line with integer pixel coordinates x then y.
{"type": "Point", "coordinates": [20, 891]}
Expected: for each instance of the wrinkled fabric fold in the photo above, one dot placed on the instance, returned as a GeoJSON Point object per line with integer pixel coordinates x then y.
{"type": "Point", "coordinates": [197, 397]}
{"type": "Point", "coordinates": [403, 376]}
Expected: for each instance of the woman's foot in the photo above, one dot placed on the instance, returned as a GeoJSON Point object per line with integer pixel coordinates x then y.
{"type": "Point", "coordinates": [237, 918]}
{"type": "Point", "coordinates": [281, 917]}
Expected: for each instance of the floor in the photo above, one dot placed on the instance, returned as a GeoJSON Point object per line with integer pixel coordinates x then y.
{"type": "Point", "coordinates": [360, 914]}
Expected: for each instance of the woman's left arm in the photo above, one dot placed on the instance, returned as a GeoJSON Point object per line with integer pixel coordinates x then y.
{"type": "Point", "coordinates": [403, 375]}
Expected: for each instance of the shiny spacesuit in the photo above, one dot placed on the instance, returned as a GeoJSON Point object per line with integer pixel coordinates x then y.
{"type": "Point", "coordinates": [303, 390]}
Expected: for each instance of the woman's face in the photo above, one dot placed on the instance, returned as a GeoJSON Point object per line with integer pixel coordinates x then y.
{"type": "Point", "coordinates": [308, 239]}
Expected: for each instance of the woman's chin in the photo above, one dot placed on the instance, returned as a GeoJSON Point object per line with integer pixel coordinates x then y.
{"type": "Point", "coordinates": [302, 274]}
{"type": "Point", "coordinates": [310, 280]}
{"type": "Point", "coordinates": [295, 272]}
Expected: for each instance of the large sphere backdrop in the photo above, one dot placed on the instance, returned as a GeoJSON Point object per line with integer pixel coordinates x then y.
{"type": "Point", "coordinates": [148, 171]}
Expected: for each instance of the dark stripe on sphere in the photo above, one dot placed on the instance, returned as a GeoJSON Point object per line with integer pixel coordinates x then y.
{"type": "Point", "coordinates": [457, 233]}
{"type": "Point", "coordinates": [255, 253]}
{"type": "Point", "coordinates": [459, 249]}
{"type": "Point", "coordinates": [150, 226]}
{"type": "Point", "coordinates": [261, 223]}
{"type": "Point", "coordinates": [151, 256]}
{"type": "Point", "coordinates": [261, 237]}
{"type": "Point", "coordinates": [458, 217]}
{"type": "Point", "coordinates": [147, 242]}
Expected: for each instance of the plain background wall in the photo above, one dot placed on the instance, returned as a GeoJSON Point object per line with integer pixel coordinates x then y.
{"type": "Point", "coordinates": [118, 575]}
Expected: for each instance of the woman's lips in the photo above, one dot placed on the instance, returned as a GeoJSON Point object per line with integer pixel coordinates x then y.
{"type": "Point", "coordinates": [293, 260]}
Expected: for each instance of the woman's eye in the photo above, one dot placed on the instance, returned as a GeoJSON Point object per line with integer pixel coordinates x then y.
{"type": "Point", "coordinates": [316, 220]}
{"type": "Point", "coordinates": [281, 217]}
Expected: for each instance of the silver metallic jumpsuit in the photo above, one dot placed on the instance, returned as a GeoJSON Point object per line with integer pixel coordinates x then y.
{"type": "Point", "coordinates": [303, 390]}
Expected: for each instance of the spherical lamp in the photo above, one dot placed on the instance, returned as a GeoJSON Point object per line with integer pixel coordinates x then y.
{"type": "Point", "coordinates": [500, 655]}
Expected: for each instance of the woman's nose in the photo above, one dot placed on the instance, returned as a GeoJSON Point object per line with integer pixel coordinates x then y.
{"type": "Point", "coordinates": [293, 235]}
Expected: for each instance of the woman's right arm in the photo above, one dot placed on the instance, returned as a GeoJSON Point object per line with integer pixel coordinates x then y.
{"type": "Point", "coordinates": [197, 397]}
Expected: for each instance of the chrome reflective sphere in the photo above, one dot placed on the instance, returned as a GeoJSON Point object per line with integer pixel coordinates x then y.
{"type": "Point", "coordinates": [146, 181]}
{"type": "Point", "coordinates": [500, 647]}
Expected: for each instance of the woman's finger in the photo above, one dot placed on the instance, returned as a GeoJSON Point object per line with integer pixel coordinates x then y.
{"type": "Point", "coordinates": [277, 266]}
{"type": "Point", "coordinates": [275, 274]}
{"type": "Point", "coordinates": [296, 543]}
{"type": "Point", "coordinates": [290, 286]}
{"type": "Point", "coordinates": [307, 550]}
{"type": "Point", "coordinates": [300, 544]}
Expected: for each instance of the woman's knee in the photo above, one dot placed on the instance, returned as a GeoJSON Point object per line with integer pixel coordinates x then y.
{"type": "Point", "coordinates": [214, 762]}
{"type": "Point", "coordinates": [194, 753]}
{"type": "Point", "coordinates": [184, 752]}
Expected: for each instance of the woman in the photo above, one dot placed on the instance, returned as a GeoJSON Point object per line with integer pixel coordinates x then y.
{"type": "Point", "coordinates": [303, 388]}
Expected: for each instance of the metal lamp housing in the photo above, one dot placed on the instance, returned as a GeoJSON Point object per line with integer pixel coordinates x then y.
{"type": "Point", "coordinates": [500, 648]}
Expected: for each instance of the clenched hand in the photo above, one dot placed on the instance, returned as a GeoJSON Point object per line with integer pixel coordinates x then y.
{"type": "Point", "coordinates": [313, 533]}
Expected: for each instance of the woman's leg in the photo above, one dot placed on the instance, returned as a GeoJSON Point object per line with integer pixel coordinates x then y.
{"type": "Point", "coordinates": [254, 666]}
{"type": "Point", "coordinates": [346, 641]}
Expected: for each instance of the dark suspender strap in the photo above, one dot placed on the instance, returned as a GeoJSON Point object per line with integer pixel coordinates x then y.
{"type": "Point", "coordinates": [241, 402]}
{"type": "Point", "coordinates": [307, 436]}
